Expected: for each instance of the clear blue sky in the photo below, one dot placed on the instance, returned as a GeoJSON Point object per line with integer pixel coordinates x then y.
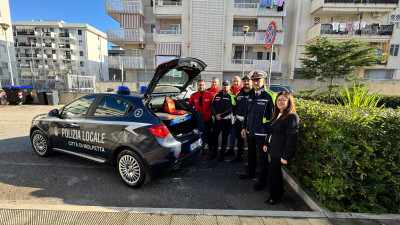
{"type": "Point", "coordinates": [91, 12]}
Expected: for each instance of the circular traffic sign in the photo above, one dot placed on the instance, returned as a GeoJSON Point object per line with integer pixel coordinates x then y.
{"type": "Point", "coordinates": [270, 34]}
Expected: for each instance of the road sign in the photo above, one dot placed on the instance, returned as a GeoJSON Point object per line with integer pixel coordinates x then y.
{"type": "Point", "coordinates": [270, 34]}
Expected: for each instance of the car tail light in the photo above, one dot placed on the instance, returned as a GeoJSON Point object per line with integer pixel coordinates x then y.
{"type": "Point", "coordinates": [20, 94]}
{"type": "Point", "coordinates": [159, 131]}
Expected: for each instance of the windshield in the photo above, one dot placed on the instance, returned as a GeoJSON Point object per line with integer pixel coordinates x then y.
{"type": "Point", "coordinates": [172, 81]}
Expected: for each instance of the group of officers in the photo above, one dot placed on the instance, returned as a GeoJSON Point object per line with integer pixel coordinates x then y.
{"type": "Point", "coordinates": [244, 110]}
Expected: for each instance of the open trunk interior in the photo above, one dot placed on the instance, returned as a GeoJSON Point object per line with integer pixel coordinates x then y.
{"type": "Point", "coordinates": [178, 125]}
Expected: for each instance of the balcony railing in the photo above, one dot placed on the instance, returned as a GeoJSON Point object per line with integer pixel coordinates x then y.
{"type": "Point", "coordinates": [65, 34]}
{"type": "Point", "coordinates": [168, 2]}
{"type": "Point", "coordinates": [26, 44]}
{"type": "Point", "coordinates": [23, 55]}
{"type": "Point", "coordinates": [240, 61]}
{"type": "Point", "coordinates": [64, 46]}
{"type": "Point", "coordinates": [369, 30]}
{"type": "Point", "coordinates": [25, 33]}
{"type": "Point", "coordinates": [126, 35]}
{"type": "Point", "coordinates": [247, 5]}
{"type": "Point", "coordinates": [241, 33]}
{"type": "Point", "coordinates": [124, 7]}
{"type": "Point", "coordinates": [168, 31]}
{"type": "Point", "coordinates": [363, 1]}
{"type": "Point", "coordinates": [49, 45]}
{"type": "Point", "coordinates": [129, 62]}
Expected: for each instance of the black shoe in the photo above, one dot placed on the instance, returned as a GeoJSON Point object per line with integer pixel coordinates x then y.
{"type": "Point", "coordinates": [236, 160]}
{"type": "Point", "coordinates": [230, 152]}
{"type": "Point", "coordinates": [259, 186]}
{"type": "Point", "coordinates": [270, 201]}
{"type": "Point", "coordinates": [247, 175]}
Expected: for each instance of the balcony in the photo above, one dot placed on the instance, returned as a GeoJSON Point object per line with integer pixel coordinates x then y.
{"type": "Point", "coordinates": [67, 57]}
{"type": "Point", "coordinates": [168, 9]}
{"type": "Point", "coordinates": [24, 55]}
{"type": "Point", "coordinates": [166, 36]}
{"type": "Point", "coordinates": [26, 33]}
{"type": "Point", "coordinates": [126, 37]}
{"type": "Point", "coordinates": [115, 8]}
{"type": "Point", "coordinates": [383, 33]}
{"type": "Point", "coordinates": [50, 56]}
{"type": "Point", "coordinates": [251, 8]}
{"type": "Point", "coordinates": [65, 35]}
{"type": "Point", "coordinates": [260, 38]}
{"type": "Point", "coordinates": [254, 64]}
{"type": "Point", "coordinates": [66, 46]}
{"type": "Point", "coordinates": [27, 45]}
{"type": "Point", "coordinates": [49, 45]}
{"type": "Point", "coordinates": [130, 62]}
{"type": "Point", "coordinates": [238, 37]}
{"type": "Point", "coordinates": [49, 34]}
{"type": "Point", "coordinates": [49, 67]}
{"type": "Point", "coordinates": [353, 6]}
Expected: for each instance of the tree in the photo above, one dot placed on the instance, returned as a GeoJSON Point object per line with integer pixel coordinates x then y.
{"type": "Point", "coordinates": [328, 60]}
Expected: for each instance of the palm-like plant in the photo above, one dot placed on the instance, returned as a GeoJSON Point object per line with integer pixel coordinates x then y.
{"type": "Point", "coordinates": [359, 98]}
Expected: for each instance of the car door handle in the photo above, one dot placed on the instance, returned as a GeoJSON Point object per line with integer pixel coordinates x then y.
{"type": "Point", "coordinates": [75, 125]}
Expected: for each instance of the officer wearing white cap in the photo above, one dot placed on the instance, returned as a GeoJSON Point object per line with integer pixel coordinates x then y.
{"type": "Point", "coordinates": [241, 101]}
{"type": "Point", "coordinates": [222, 110]}
{"type": "Point", "coordinates": [259, 109]}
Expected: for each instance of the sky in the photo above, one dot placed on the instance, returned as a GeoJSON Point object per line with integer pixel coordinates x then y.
{"type": "Point", "coordinates": [91, 12]}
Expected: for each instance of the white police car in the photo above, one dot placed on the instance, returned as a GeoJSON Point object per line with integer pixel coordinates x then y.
{"type": "Point", "coordinates": [139, 134]}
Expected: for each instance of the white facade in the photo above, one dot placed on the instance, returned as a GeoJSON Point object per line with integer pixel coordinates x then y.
{"type": "Point", "coordinates": [211, 30]}
{"type": "Point", "coordinates": [49, 50]}
{"type": "Point", "coordinates": [4, 69]}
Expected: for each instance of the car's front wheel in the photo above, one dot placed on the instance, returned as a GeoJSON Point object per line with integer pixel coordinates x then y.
{"type": "Point", "coordinates": [40, 143]}
{"type": "Point", "coordinates": [131, 168]}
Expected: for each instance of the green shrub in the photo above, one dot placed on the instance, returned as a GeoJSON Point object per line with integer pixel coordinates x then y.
{"type": "Point", "coordinates": [390, 101]}
{"type": "Point", "coordinates": [349, 158]}
{"type": "Point", "coordinates": [358, 98]}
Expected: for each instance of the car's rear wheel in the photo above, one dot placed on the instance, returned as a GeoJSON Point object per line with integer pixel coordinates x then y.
{"type": "Point", "coordinates": [40, 143]}
{"type": "Point", "coordinates": [131, 168]}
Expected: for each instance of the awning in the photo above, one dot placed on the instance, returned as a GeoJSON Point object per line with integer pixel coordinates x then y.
{"type": "Point", "coordinates": [260, 38]}
{"type": "Point", "coordinates": [168, 49]}
{"type": "Point", "coordinates": [263, 22]}
{"type": "Point", "coordinates": [131, 21]}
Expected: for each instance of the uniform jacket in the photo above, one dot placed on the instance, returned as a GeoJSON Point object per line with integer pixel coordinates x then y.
{"type": "Point", "coordinates": [241, 101]}
{"type": "Point", "coordinates": [213, 90]}
{"type": "Point", "coordinates": [235, 91]}
{"type": "Point", "coordinates": [283, 134]}
{"type": "Point", "coordinates": [205, 107]}
{"type": "Point", "coordinates": [258, 112]}
{"type": "Point", "coordinates": [223, 104]}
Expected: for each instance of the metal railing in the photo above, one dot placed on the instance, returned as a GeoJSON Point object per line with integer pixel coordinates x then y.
{"type": "Point", "coordinates": [240, 61]}
{"type": "Point", "coordinates": [50, 45]}
{"type": "Point", "coordinates": [23, 55]}
{"type": "Point", "coordinates": [241, 33]}
{"type": "Point", "coordinates": [363, 1]}
{"type": "Point", "coordinates": [129, 62]}
{"type": "Point", "coordinates": [369, 30]}
{"type": "Point", "coordinates": [167, 2]}
{"type": "Point", "coordinates": [168, 31]}
{"type": "Point", "coordinates": [64, 45]}
{"type": "Point", "coordinates": [247, 5]}
{"type": "Point", "coordinates": [123, 6]}
{"type": "Point", "coordinates": [135, 35]}
{"type": "Point", "coordinates": [63, 35]}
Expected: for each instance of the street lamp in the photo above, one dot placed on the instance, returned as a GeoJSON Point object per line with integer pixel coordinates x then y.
{"type": "Point", "coordinates": [245, 29]}
{"type": "Point", "coordinates": [5, 27]}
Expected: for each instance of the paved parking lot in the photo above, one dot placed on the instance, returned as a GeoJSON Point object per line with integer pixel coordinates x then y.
{"type": "Point", "coordinates": [26, 178]}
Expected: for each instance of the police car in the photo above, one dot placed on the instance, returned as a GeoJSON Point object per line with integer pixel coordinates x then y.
{"type": "Point", "coordinates": [141, 135]}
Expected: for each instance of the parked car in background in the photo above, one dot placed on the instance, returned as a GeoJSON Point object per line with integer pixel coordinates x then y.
{"type": "Point", "coordinates": [279, 87]}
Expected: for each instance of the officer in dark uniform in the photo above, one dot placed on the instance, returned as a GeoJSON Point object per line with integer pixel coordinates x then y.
{"type": "Point", "coordinates": [241, 101]}
{"type": "Point", "coordinates": [259, 109]}
{"type": "Point", "coordinates": [222, 110]}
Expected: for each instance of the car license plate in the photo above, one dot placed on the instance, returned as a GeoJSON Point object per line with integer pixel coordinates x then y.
{"type": "Point", "coordinates": [195, 145]}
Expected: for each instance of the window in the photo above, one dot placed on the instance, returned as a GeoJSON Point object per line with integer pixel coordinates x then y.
{"type": "Point", "coordinates": [175, 28]}
{"type": "Point", "coordinates": [80, 43]}
{"type": "Point", "coordinates": [152, 27]}
{"type": "Point", "coordinates": [2, 48]}
{"type": "Point", "coordinates": [273, 55]}
{"type": "Point", "coordinates": [53, 51]}
{"type": "Point", "coordinates": [81, 63]}
{"type": "Point", "coordinates": [79, 32]}
{"type": "Point", "coordinates": [259, 55]}
{"type": "Point", "coordinates": [110, 106]}
{"type": "Point", "coordinates": [394, 50]}
{"type": "Point", "coordinates": [238, 55]}
{"type": "Point", "coordinates": [78, 108]}
{"type": "Point", "coordinates": [81, 53]}
{"type": "Point", "coordinates": [83, 73]}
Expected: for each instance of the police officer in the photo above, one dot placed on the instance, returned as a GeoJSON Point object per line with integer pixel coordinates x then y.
{"type": "Point", "coordinates": [201, 100]}
{"type": "Point", "coordinates": [222, 110]}
{"type": "Point", "coordinates": [259, 108]}
{"type": "Point", "coordinates": [235, 88]}
{"type": "Point", "coordinates": [241, 101]}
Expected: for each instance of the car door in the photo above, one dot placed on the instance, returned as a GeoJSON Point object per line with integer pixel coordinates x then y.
{"type": "Point", "coordinates": [67, 128]}
{"type": "Point", "coordinates": [105, 125]}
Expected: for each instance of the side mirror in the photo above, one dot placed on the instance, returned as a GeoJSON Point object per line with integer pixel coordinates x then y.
{"type": "Point", "coordinates": [54, 113]}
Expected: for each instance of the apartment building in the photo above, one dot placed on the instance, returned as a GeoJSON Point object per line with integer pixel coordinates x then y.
{"type": "Point", "coordinates": [155, 31]}
{"type": "Point", "coordinates": [152, 31]}
{"type": "Point", "coordinates": [373, 21]}
{"type": "Point", "coordinates": [5, 71]}
{"type": "Point", "coordinates": [49, 50]}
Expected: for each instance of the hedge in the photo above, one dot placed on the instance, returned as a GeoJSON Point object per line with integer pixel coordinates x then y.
{"type": "Point", "coordinates": [349, 158]}
{"type": "Point", "coordinates": [390, 101]}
